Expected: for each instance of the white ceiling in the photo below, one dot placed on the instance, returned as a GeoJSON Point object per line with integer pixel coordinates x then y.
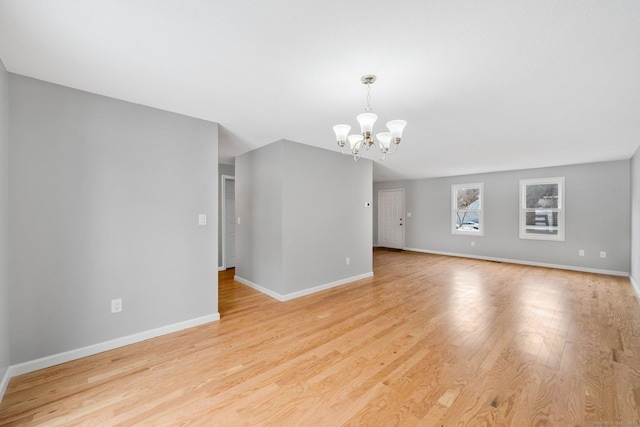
{"type": "Point", "coordinates": [484, 85]}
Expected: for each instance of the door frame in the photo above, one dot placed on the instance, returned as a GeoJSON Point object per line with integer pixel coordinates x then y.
{"type": "Point", "coordinates": [404, 219]}
{"type": "Point", "coordinates": [223, 230]}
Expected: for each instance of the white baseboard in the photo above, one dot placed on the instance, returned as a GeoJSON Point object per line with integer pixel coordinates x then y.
{"type": "Point", "coordinates": [303, 292]}
{"type": "Point", "coordinates": [221, 268]}
{"type": "Point", "coordinates": [4, 383]}
{"type": "Point", "coordinates": [56, 359]}
{"type": "Point", "coordinates": [517, 261]}
{"type": "Point", "coordinates": [258, 288]}
{"type": "Point", "coordinates": [635, 286]}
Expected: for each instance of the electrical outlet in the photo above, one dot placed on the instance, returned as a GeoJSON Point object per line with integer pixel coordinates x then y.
{"type": "Point", "coordinates": [348, 260]}
{"type": "Point", "coordinates": [473, 243]}
{"type": "Point", "coordinates": [603, 254]}
{"type": "Point", "coordinates": [581, 252]}
{"type": "Point", "coordinates": [116, 305]}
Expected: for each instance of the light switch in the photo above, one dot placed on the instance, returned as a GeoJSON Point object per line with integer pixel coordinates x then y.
{"type": "Point", "coordinates": [202, 219]}
{"type": "Point", "coordinates": [408, 214]}
{"type": "Point", "coordinates": [238, 220]}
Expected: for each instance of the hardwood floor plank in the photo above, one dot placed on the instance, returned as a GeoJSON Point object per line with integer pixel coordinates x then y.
{"type": "Point", "coordinates": [429, 340]}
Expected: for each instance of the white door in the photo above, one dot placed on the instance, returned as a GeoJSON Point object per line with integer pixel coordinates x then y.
{"type": "Point", "coordinates": [391, 218]}
{"type": "Point", "coordinates": [229, 223]}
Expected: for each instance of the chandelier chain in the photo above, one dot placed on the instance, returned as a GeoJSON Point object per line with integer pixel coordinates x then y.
{"type": "Point", "coordinates": [368, 109]}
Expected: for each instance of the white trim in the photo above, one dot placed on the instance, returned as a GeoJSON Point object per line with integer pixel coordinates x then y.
{"type": "Point", "coordinates": [635, 286]}
{"type": "Point", "coordinates": [224, 220]}
{"type": "Point", "coordinates": [517, 261]}
{"type": "Point", "coordinates": [56, 359]}
{"type": "Point", "coordinates": [5, 382]}
{"type": "Point", "coordinates": [560, 209]}
{"type": "Point", "coordinates": [258, 288]}
{"type": "Point", "coordinates": [298, 294]}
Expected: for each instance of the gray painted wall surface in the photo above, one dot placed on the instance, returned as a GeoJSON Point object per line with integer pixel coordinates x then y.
{"type": "Point", "coordinates": [303, 212]}
{"type": "Point", "coordinates": [597, 216]}
{"type": "Point", "coordinates": [259, 206]}
{"type": "Point", "coordinates": [104, 203]}
{"type": "Point", "coordinates": [325, 219]}
{"type": "Point", "coordinates": [4, 215]}
{"type": "Point", "coordinates": [229, 170]}
{"type": "Point", "coordinates": [635, 217]}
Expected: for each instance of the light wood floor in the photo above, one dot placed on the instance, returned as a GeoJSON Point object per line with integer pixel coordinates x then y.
{"type": "Point", "coordinates": [429, 341]}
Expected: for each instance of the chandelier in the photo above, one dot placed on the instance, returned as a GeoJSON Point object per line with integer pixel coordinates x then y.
{"type": "Point", "coordinates": [383, 141]}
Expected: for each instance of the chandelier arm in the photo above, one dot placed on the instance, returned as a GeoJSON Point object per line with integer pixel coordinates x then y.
{"type": "Point", "coordinates": [395, 148]}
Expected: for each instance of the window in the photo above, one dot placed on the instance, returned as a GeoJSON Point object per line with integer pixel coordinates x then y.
{"type": "Point", "coordinates": [466, 216]}
{"type": "Point", "coordinates": [542, 209]}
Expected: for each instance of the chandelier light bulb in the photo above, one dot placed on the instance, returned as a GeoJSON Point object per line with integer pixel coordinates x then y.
{"type": "Point", "coordinates": [341, 134]}
{"type": "Point", "coordinates": [355, 142]}
{"type": "Point", "coordinates": [366, 121]}
{"type": "Point", "coordinates": [395, 128]}
{"type": "Point", "coordinates": [385, 141]}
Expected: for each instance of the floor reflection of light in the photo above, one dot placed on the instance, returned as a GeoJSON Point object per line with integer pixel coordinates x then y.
{"type": "Point", "coordinates": [542, 319]}
{"type": "Point", "coordinates": [469, 302]}
{"type": "Point", "coordinates": [535, 322]}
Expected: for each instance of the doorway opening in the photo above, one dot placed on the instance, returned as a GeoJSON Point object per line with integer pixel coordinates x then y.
{"type": "Point", "coordinates": [228, 222]}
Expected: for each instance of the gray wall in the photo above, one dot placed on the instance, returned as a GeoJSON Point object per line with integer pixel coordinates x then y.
{"type": "Point", "coordinates": [635, 217]}
{"type": "Point", "coordinates": [229, 170]}
{"type": "Point", "coordinates": [104, 203]}
{"type": "Point", "coordinates": [325, 219]}
{"type": "Point", "coordinates": [259, 206]}
{"type": "Point", "coordinates": [597, 216]}
{"type": "Point", "coordinates": [4, 215]}
{"type": "Point", "coordinates": [303, 213]}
